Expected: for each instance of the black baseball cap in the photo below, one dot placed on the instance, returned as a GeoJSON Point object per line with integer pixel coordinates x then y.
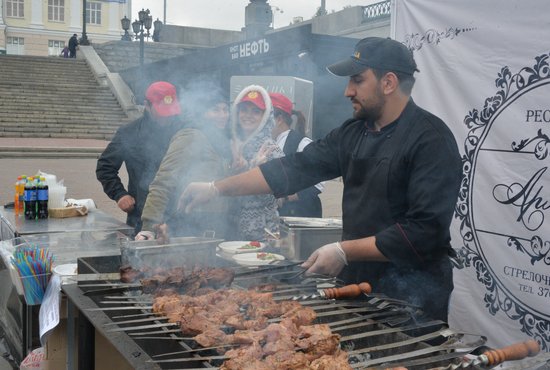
{"type": "Point", "coordinates": [376, 52]}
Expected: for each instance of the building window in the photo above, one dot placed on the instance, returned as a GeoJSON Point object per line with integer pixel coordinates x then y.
{"type": "Point", "coordinates": [93, 13]}
{"type": "Point", "coordinates": [55, 47]}
{"type": "Point", "coordinates": [15, 8]}
{"type": "Point", "coordinates": [16, 45]}
{"type": "Point", "coordinates": [56, 10]}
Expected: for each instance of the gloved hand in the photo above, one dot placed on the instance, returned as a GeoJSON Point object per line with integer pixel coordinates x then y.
{"type": "Point", "coordinates": [197, 193]}
{"type": "Point", "coordinates": [330, 259]}
{"type": "Point", "coordinates": [126, 203]}
{"type": "Point", "coordinates": [145, 235]}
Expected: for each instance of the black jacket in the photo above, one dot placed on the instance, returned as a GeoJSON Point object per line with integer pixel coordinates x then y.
{"type": "Point", "coordinates": [140, 145]}
{"type": "Point", "coordinates": [422, 177]}
{"type": "Point", "coordinates": [73, 43]}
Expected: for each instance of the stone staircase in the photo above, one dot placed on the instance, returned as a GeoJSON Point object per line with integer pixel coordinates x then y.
{"type": "Point", "coordinates": [46, 97]}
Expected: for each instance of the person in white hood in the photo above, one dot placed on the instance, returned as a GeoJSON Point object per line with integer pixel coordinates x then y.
{"type": "Point", "coordinates": [252, 122]}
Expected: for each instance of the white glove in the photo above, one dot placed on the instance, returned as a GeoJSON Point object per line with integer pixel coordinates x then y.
{"type": "Point", "coordinates": [330, 259]}
{"type": "Point", "coordinates": [197, 193]}
{"type": "Point", "coordinates": [145, 235]}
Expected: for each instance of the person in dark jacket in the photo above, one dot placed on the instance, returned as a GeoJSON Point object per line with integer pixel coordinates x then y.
{"type": "Point", "coordinates": [401, 171]}
{"type": "Point", "coordinates": [73, 43]}
{"type": "Point", "coordinates": [140, 145]}
{"type": "Point", "coordinates": [305, 203]}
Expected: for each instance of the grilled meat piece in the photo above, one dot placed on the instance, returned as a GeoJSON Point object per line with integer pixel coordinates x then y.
{"type": "Point", "coordinates": [211, 338]}
{"type": "Point", "coordinates": [327, 362]}
{"type": "Point", "coordinates": [197, 323]}
{"type": "Point", "coordinates": [301, 316]}
{"type": "Point", "coordinates": [219, 277]}
{"type": "Point", "coordinates": [316, 347]}
{"type": "Point", "coordinates": [129, 275]}
{"type": "Point", "coordinates": [278, 338]}
{"type": "Point", "coordinates": [289, 359]}
{"type": "Point", "coordinates": [252, 351]}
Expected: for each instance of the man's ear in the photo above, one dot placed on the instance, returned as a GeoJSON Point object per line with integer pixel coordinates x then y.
{"type": "Point", "coordinates": [389, 83]}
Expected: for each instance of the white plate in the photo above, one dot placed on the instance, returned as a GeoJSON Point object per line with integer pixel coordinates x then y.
{"type": "Point", "coordinates": [251, 259]}
{"type": "Point", "coordinates": [236, 247]}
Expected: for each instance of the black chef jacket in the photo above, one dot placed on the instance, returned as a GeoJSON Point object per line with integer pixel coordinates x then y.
{"type": "Point", "coordinates": [401, 186]}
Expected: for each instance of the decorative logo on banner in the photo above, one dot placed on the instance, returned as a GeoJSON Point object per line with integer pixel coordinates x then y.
{"type": "Point", "coordinates": [415, 41]}
{"type": "Point", "coordinates": [504, 200]}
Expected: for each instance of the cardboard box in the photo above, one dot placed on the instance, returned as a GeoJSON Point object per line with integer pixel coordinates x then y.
{"type": "Point", "coordinates": [107, 357]}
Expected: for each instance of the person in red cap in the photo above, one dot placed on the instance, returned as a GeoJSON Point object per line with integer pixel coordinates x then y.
{"type": "Point", "coordinates": [305, 203]}
{"type": "Point", "coordinates": [252, 122]}
{"type": "Point", "coordinates": [140, 145]}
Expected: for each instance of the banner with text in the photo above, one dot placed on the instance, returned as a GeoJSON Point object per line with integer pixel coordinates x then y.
{"type": "Point", "coordinates": [484, 70]}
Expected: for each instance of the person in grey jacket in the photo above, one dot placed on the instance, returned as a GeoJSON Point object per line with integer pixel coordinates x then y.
{"type": "Point", "coordinates": [140, 146]}
{"type": "Point", "coordinates": [198, 152]}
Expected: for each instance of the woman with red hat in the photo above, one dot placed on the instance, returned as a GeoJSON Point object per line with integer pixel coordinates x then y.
{"type": "Point", "coordinates": [305, 203]}
{"type": "Point", "coordinates": [252, 122]}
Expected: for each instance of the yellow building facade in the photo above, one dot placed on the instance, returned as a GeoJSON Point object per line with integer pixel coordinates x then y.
{"type": "Point", "coordinates": [43, 27]}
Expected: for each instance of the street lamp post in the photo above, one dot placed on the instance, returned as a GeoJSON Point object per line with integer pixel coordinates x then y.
{"type": "Point", "coordinates": [84, 39]}
{"type": "Point", "coordinates": [141, 27]}
{"type": "Point", "coordinates": [125, 22]}
{"type": "Point", "coordinates": [156, 33]}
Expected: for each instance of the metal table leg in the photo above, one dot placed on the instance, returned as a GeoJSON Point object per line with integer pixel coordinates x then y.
{"type": "Point", "coordinates": [70, 335]}
{"type": "Point", "coordinates": [86, 344]}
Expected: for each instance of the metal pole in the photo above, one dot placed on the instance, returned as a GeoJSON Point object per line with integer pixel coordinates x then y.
{"type": "Point", "coordinates": [164, 11]}
{"type": "Point", "coordinates": [84, 39]}
{"type": "Point", "coordinates": [141, 46]}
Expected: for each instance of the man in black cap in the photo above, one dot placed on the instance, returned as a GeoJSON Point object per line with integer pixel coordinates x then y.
{"type": "Point", "coordinates": [401, 171]}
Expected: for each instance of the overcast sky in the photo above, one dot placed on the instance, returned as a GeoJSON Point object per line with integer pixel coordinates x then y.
{"type": "Point", "coordinates": [229, 14]}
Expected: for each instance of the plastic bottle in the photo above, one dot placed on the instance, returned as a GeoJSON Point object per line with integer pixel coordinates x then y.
{"type": "Point", "coordinates": [16, 195]}
{"type": "Point", "coordinates": [22, 194]}
{"type": "Point", "coordinates": [27, 196]}
{"type": "Point", "coordinates": [42, 199]}
{"type": "Point", "coordinates": [30, 199]}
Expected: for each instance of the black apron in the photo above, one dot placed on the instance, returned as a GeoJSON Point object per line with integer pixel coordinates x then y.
{"type": "Point", "coordinates": [366, 211]}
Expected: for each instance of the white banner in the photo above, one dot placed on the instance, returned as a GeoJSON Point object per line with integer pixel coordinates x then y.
{"type": "Point", "coordinates": [484, 69]}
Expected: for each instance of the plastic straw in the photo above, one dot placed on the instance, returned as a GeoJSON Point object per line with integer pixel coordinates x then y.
{"type": "Point", "coordinates": [34, 266]}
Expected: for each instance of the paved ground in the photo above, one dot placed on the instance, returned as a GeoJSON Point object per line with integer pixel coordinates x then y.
{"type": "Point", "coordinates": [78, 174]}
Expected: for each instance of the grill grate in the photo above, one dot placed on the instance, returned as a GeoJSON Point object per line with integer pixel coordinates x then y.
{"type": "Point", "coordinates": [377, 332]}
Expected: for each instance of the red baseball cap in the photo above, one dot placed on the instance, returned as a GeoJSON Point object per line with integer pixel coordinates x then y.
{"type": "Point", "coordinates": [162, 95]}
{"type": "Point", "coordinates": [256, 98]}
{"type": "Point", "coordinates": [281, 102]}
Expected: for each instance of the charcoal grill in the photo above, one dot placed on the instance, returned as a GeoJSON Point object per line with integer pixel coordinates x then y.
{"type": "Point", "coordinates": [390, 337]}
